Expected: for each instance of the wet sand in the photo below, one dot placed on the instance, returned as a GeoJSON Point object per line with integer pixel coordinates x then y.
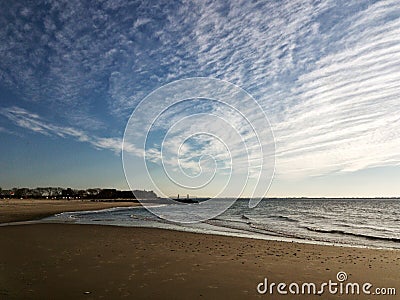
{"type": "Point", "coordinates": [66, 261]}
{"type": "Point", "coordinates": [15, 210]}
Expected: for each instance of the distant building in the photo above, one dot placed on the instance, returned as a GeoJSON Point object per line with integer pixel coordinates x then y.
{"type": "Point", "coordinates": [93, 192]}
{"type": "Point", "coordinates": [6, 194]}
{"type": "Point", "coordinates": [69, 193]}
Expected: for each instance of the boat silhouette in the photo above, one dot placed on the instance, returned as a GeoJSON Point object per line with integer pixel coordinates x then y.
{"type": "Point", "coordinates": [186, 200]}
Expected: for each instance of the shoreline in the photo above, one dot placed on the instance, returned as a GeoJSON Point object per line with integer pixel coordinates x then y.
{"type": "Point", "coordinates": [266, 238]}
{"type": "Point", "coordinates": [238, 233]}
{"type": "Point", "coordinates": [272, 239]}
{"type": "Point", "coordinates": [15, 210]}
{"type": "Point", "coordinates": [36, 217]}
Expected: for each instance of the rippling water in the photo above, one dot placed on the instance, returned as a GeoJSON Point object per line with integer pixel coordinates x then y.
{"type": "Point", "coordinates": [357, 222]}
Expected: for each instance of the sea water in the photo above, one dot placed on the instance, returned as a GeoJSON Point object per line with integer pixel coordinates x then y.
{"type": "Point", "coordinates": [355, 222]}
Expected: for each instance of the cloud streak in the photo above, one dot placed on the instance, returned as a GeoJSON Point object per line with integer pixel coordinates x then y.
{"type": "Point", "coordinates": [35, 123]}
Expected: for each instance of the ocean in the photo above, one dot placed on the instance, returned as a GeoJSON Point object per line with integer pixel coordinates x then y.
{"type": "Point", "coordinates": [371, 223]}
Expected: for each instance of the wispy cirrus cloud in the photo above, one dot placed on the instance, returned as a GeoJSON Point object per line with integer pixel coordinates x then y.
{"type": "Point", "coordinates": [5, 130]}
{"type": "Point", "coordinates": [33, 122]}
{"type": "Point", "coordinates": [329, 85]}
{"type": "Point", "coordinates": [347, 115]}
{"type": "Point", "coordinates": [117, 54]}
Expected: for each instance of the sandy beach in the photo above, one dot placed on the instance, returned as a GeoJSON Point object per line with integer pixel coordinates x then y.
{"type": "Point", "coordinates": [15, 210]}
{"type": "Point", "coordinates": [65, 261]}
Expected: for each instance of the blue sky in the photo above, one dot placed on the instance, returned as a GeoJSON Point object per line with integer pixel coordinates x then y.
{"type": "Point", "coordinates": [326, 73]}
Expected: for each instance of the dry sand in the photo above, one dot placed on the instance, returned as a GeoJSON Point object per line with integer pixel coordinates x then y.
{"type": "Point", "coordinates": [60, 261]}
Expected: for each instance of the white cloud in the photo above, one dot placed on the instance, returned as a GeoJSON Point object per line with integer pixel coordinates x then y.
{"type": "Point", "coordinates": [35, 123]}
{"type": "Point", "coordinates": [347, 116]}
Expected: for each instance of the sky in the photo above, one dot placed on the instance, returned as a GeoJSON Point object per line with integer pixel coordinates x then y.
{"type": "Point", "coordinates": [326, 74]}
